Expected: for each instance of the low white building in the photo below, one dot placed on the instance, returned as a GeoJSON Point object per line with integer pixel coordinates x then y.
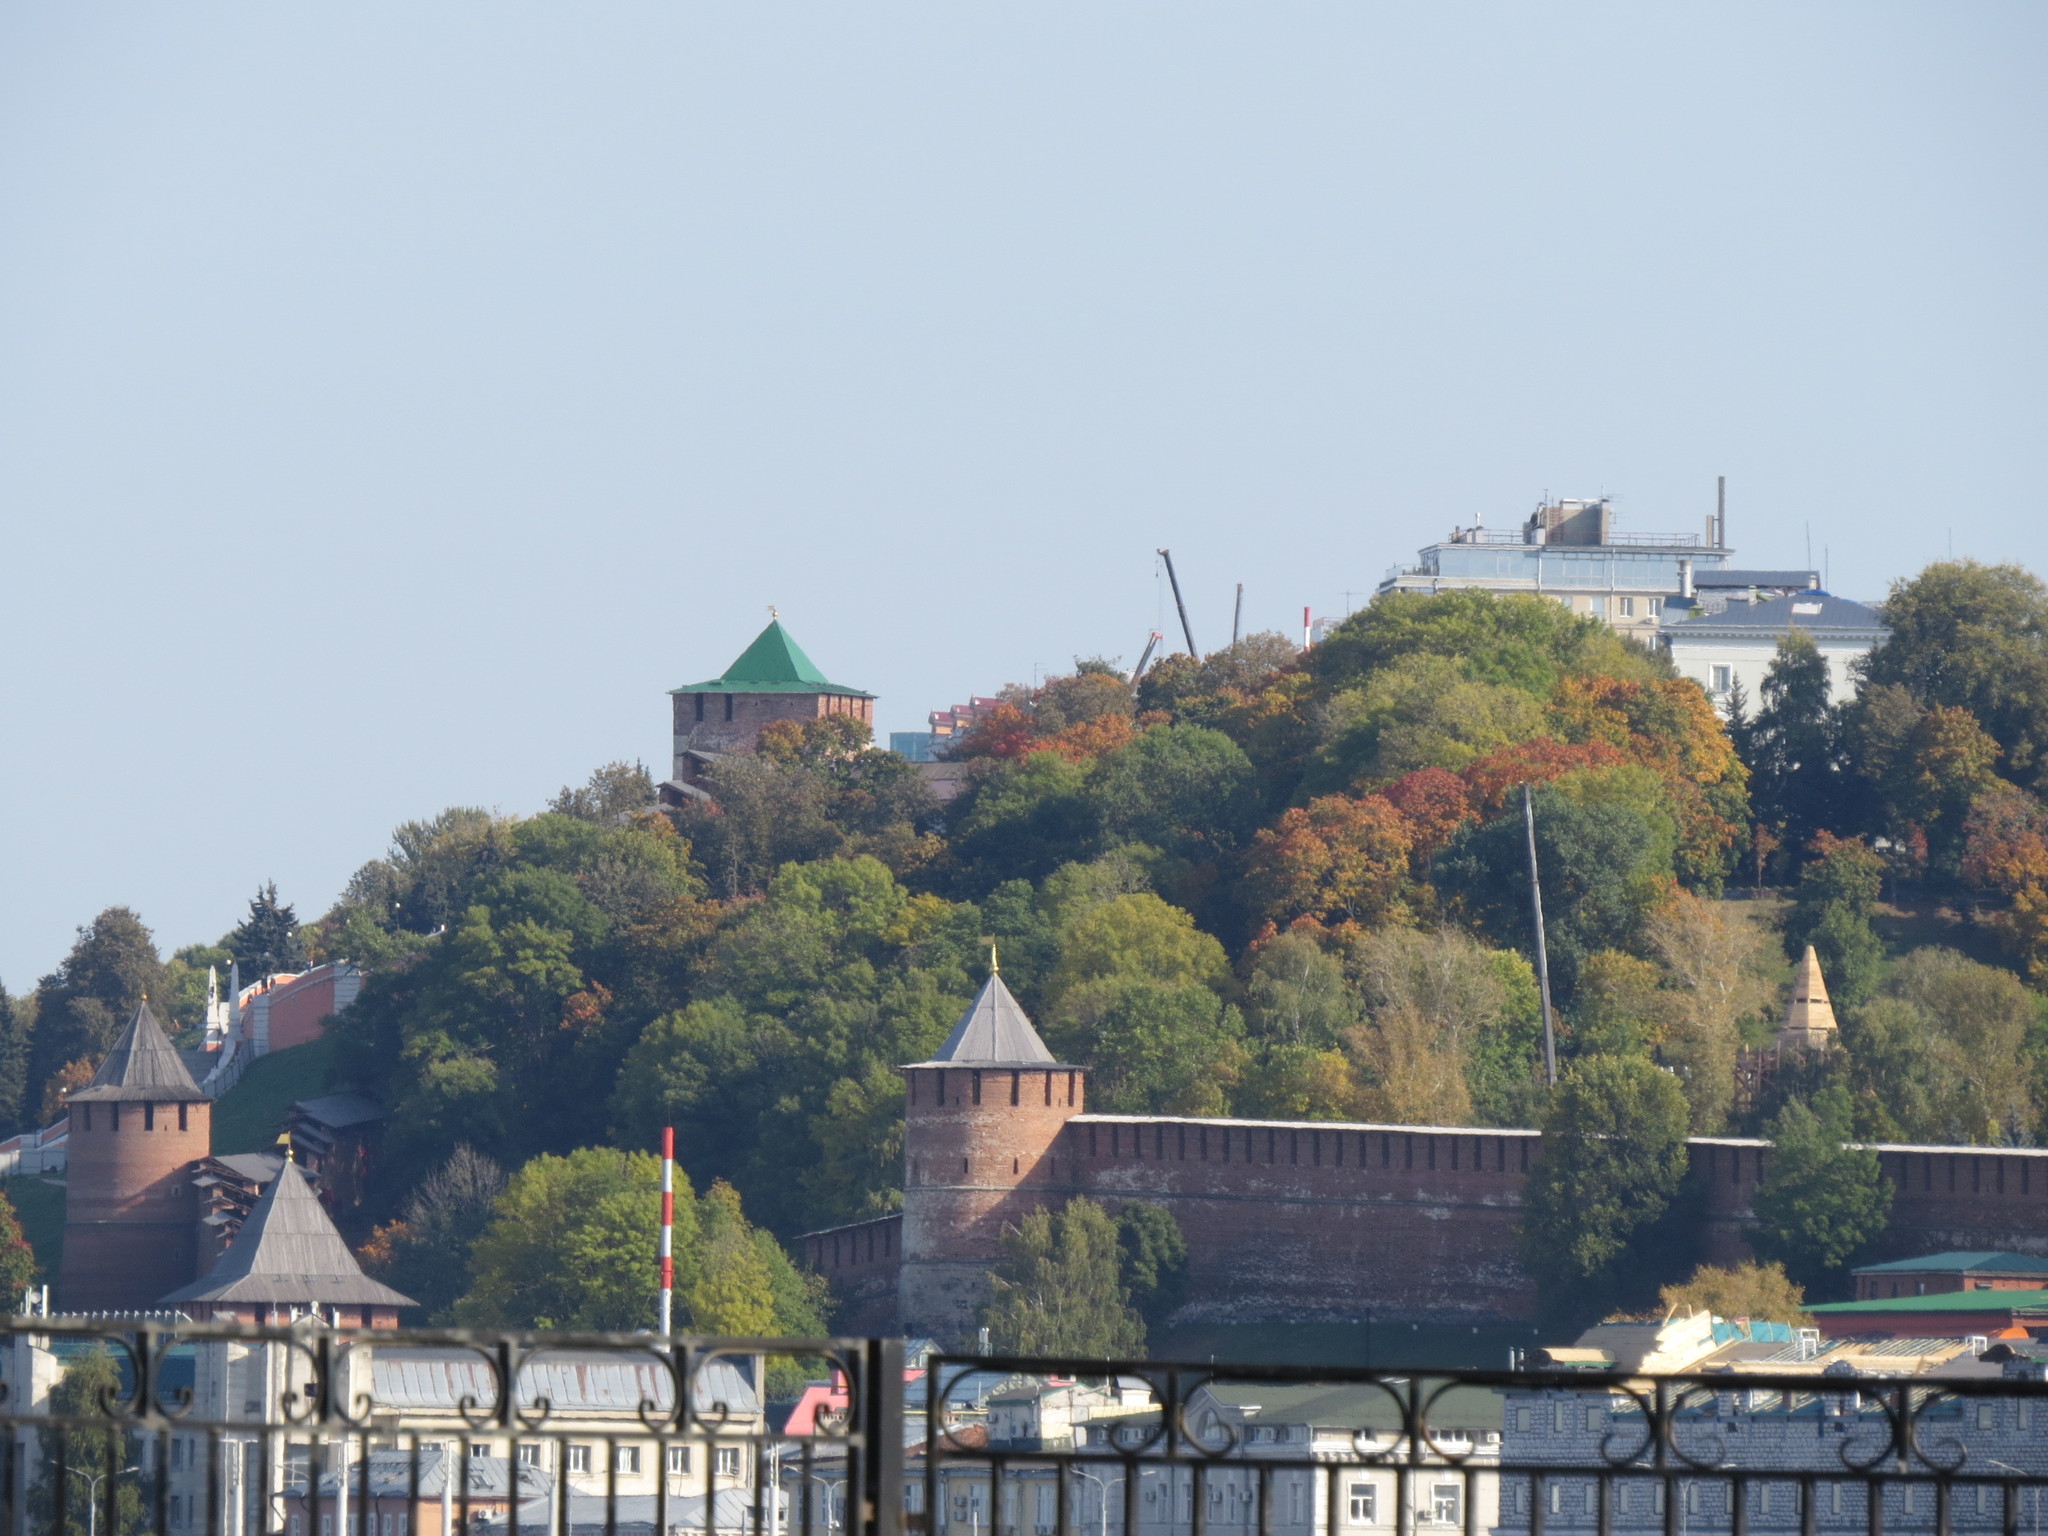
{"type": "Point", "coordinates": [1739, 643]}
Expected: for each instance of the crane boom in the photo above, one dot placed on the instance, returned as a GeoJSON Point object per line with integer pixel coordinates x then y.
{"type": "Point", "coordinates": [1186, 632]}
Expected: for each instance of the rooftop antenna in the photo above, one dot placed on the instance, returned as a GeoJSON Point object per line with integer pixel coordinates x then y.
{"type": "Point", "coordinates": [1720, 511]}
{"type": "Point", "coordinates": [1186, 632]}
{"type": "Point", "coordinates": [1237, 614]}
{"type": "Point", "coordinates": [1542, 950]}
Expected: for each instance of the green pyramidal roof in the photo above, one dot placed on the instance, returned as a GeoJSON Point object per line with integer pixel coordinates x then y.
{"type": "Point", "coordinates": [774, 663]}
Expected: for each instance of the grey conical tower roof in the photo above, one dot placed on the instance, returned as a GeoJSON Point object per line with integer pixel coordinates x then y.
{"type": "Point", "coordinates": [142, 1067]}
{"type": "Point", "coordinates": [289, 1253]}
{"type": "Point", "coordinates": [994, 1031]}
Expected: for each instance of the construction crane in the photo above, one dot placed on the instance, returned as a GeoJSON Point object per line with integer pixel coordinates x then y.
{"type": "Point", "coordinates": [1187, 632]}
{"type": "Point", "coordinates": [1139, 670]}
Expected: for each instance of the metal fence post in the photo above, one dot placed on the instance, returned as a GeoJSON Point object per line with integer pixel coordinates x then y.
{"type": "Point", "coordinates": [882, 1440]}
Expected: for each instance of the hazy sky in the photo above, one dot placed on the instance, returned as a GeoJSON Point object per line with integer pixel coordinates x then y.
{"type": "Point", "coordinates": [396, 399]}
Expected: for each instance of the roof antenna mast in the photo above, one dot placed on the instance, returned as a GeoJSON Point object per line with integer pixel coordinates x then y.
{"type": "Point", "coordinates": [1186, 632]}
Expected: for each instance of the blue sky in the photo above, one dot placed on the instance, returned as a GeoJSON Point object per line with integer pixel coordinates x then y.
{"type": "Point", "coordinates": [395, 399]}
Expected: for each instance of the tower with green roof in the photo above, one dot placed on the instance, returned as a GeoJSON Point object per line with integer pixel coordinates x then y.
{"type": "Point", "coordinates": [772, 679]}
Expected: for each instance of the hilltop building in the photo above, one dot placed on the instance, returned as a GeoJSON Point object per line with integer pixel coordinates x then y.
{"type": "Point", "coordinates": [772, 679]}
{"type": "Point", "coordinates": [1733, 644]}
{"type": "Point", "coordinates": [1571, 551]}
{"type": "Point", "coordinates": [1304, 1219]}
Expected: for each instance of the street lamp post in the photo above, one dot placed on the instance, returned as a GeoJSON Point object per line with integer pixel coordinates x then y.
{"type": "Point", "coordinates": [1102, 1497]}
{"type": "Point", "coordinates": [92, 1493]}
{"type": "Point", "coordinates": [2033, 1493]}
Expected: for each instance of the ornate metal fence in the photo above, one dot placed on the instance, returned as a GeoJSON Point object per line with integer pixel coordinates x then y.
{"type": "Point", "coordinates": [120, 1426]}
{"type": "Point", "coordinates": [1180, 1450]}
{"type": "Point", "coordinates": [114, 1427]}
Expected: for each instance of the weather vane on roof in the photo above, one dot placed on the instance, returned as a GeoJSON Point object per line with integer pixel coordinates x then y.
{"type": "Point", "coordinates": [772, 613]}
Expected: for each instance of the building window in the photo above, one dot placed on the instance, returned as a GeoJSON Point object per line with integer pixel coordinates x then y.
{"type": "Point", "coordinates": [479, 1449]}
{"type": "Point", "coordinates": [1987, 1416]}
{"type": "Point", "coordinates": [579, 1458]}
{"type": "Point", "coordinates": [1447, 1504]}
{"type": "Point", "coordinates": [728, 1462]}
{"type": "Point", "coordinates": [626, 1458]}
{"type": "Point", "coordinates": [1365, 1504]}
{"type": "Point", "coordinates": [529, 1455]}
{"type": "Point", "coordinates": [1297, 1501]}
{"type": "Point", "coordinates": [1594, 1418]}
{"type": "Point", "coordinates": [1724, 678]}
{"type": "Point", "coordinates": [1628, 607]}
{"type": "Point", "coordinates": [678, 1460]}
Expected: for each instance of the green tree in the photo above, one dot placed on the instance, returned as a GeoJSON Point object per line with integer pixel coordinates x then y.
{"type": "Point", "coordinates": [1940, 1052]}
{"type": "Point", "coordinates": [1522, 642]}
{"type": "Point", "coordinates": [1185, 789]}
{"type": "Point", "coordinates": [1023, 820]}
{"type": "Point", "coordinates": [1822, 1201]}
{"type": "Point", "coordinates": [14, 1044]}
{"type": "Point", "coordinates": [1060, 1288]}
{"type": "Point", "coordinates": [1421, 711]}
{"type": "Point", "coordinates": [1601, 874]}
{"type": "Point", "coordinates": [89, 999]}
{"type": "Point", "coordinates": [1155, 1259]}
{"type": "Point", "coordinates": [731, 1293]}
{"type": "Point", "coordinates": [1439, 1001]}
{"type": "Point", "coordinates": [1613, 1158]}
{"type": "Point", "coordinates": [1791, 748]}
{"type": "Point", "coordinates": [1838, 891]}
{"type": "Point", "coordinates": [1974, 637]}
{"type": "Point", "coordinates": [1298, 993]}
{"type": "Point", "coordinates": [571, 1245]}
{"type": "Point", "coordinates": [1714, 960]}
{"type": "Point", "coordinates": [104, 1490]}
{"type": "Point", "coordinates": [1156, 1047]}
{"type": "Point", "coordinates": [267, 940]}
{"type": "Point", "coordinates": [614, 792]}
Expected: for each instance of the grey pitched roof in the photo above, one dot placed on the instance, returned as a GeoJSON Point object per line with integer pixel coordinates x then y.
{"type": "Point", "coordinates": [1802, 610]}
{"type": "Point", "coordinates": [1717, 579]}
{"type": "Point", "coordinates": [432, 1379]}
{"type": "Point", "coordinates": [141, 1068]}
{"type": "Point", "coordinates": [339, 1110]}
{"type": "Point", "coordinates": [289, 1253]}
{"type": "Point", "coordinates": [994, 1031]}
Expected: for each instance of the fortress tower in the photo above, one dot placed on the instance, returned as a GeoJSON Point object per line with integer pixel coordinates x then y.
{"type": "Point", "coordinates": [772, 679]}
{"type": "Point", "coordinates": [982, 1124]}
{"type": "Point", "coordinates": [131, 1230]}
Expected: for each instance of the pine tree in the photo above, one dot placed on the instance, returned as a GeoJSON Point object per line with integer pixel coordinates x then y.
{"type": "Point", "coordinates": [82, 1005]}
{"type": "Point", "coordinates": [267, 940]}
{"type": "Point", "coordinates": [1061, 1290]}
{"type": "Point", "coordinates": [1791, 745]}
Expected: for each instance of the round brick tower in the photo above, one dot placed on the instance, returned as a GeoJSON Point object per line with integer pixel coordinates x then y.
{"type": "Point", "coordinates": [981, 1134]}
{"type": "Point", "coordinates": [131, 1228]}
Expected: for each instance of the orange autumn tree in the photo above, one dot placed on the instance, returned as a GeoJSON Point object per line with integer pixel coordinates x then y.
{"type": "Point", "coordinates": [2006, 850]}
{"type": "Point", "coordinates": [1668, 725]}
{"type": "Point", "coordinates": [1339, 859]}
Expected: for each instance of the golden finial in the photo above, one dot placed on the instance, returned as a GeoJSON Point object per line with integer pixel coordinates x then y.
{"type": "Point", "coordinates": [772, 614]}
{"type": "Point", "coordinates": [993, 968]}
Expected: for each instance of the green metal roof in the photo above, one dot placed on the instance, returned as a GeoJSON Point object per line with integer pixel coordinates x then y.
{"type": "Point", "coordinates": [1945, 1263]}
{"type": "Point", "coordinates": [1942, 1301]}
{"type": "Point", "coordinates": [774, 663]}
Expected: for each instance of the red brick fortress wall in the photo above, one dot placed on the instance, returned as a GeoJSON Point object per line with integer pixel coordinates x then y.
{"type": "Point", "coordinates": [1322, 1220]}
{"type": "Point", "coordinates": [1315, 1220]}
